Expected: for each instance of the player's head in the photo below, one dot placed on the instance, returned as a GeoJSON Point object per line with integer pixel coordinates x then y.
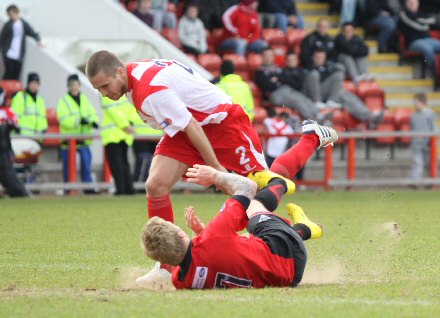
{"type": "Point", "coordinates": [420, 100]}
{"type": "Point", "coordinates": [107, 74]}
{"type": "Point", "coordinates": [164, 241]}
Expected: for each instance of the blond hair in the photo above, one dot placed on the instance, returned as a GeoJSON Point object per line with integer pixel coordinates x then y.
{"type": "Point", "coordinates": [104, 61]}
{"type": "Point", "coordinates": [161, 241]}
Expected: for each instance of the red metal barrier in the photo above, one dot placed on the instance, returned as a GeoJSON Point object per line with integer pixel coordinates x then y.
{"type": "Point", "coordinates": [351, 159]}
{"type": "Point", "coordinates": [107, 171]}
{"type": "Point", "coordinates": [72, 160]}
{"type": "Point", "coordinates": [434, 160]}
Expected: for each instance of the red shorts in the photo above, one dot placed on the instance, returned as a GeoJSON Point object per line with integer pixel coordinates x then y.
{"type": "Point", "coordinates": [234, 140]}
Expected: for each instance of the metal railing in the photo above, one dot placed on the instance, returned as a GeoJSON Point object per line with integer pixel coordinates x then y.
{"type": "Point", "coordinates": [328, 181]}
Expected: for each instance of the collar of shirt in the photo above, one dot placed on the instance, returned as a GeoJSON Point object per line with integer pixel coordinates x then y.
{"type": "Point", "coordinates": [186, 263]}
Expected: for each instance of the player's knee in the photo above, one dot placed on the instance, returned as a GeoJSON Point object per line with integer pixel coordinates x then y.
{"type": "Point", "coordinates": [156, 187]}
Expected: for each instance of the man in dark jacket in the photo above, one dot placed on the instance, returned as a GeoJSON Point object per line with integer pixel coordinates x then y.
{"type": "Point", "coordinates": [415, 25]}
{"type": "Point", "coordinates": [280, 14]}
{"type": "Point", "coordinates": [12, 41]}
{"type": "Point", "coordinates": [319, 39]}
{"type": "Point", "coordinates": [352, 52]}
{"type": "Point", "coordinates": [283, 87]}
{"type": "Point", "coordinates": [383, 16]}
{"type": "Point", "coordinates": [8, 177]}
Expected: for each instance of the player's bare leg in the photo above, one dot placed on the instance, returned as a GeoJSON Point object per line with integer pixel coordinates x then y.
{"type": "Point", "coordinates": [293, 160]}
{"type": "Point", "coordinates": [164, 174]}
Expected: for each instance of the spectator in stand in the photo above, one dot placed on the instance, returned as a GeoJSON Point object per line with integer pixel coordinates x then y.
{"type": "Point", "coordinates": [143, 12]}
{"type": "Point", "coordinates": [211, 12]}
{"type": "Point", "coordinates": [30, 108]}
{"type": "Point", "coordinates": [423, 120]}
{"type": "Point", "coordinates": [12, 41]}
{"type": "Point", "coordinates": [383, 15]}
{"type": "Point", "coordinates": [243, 29]}
{"type": "Point", "coordinates": [234, 86]}
{"type": "Point", "coordinates": [77, 116]}
{"type": "Point", "coordinates": [415, 25]}
{"type": "Point", "coordinates": [162, 18]}
{"type": "Point", "coordinates": [280, 14]}
{"type": "Point", "coordinates": [324, 80]}
{"type": "Point", "coordinates": [192, 32]}
{"type": "Point", "coordinates": [318, 39]}
{"type": "Point", "coordinates": [275, 124]}
{"type": "Point", "coordinates": [352, 53]}
{"type": "Point", "coordinates": [117, 135]}
{"type": "Point", "coordinates": [8, 176]}
{"type": "Point", "coordinates": [283, 87]}
{"type": "Point", "coordinates": [324, 84]}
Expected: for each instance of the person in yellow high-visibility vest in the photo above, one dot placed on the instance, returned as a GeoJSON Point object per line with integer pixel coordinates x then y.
{"type": "Point", "coordinates": [117, 135]}
{"type": "Point", "coordinates": [234, 86]}
{"type": "Point", "coordinates": [143, 149]}
{"type": "Point", "coordinates": [77, 116]}
{"type": "Point", "coordinates": [30, 108]}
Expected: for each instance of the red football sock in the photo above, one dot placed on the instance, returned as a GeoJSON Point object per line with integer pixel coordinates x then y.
{"type": "Point", "coordinates": [292, 161]}
{"type": "Point", "coordinates": [167, 267]}
{"type": "Point", "coordinates": [161, 207]}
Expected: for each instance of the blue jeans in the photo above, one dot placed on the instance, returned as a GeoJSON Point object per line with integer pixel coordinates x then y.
{"type": "Point", "coordinates": [240, 46]}
{"type": "Point", "coordinates": [428, 47]}
{"type": "Point", "coordinates": [387, 27]}
{"type": "Point", "coordinates": [282, 22]}
{"type": "Point", "coordinates": [86, 163]}
{"type": "Point", "coordinates": [348, 11]}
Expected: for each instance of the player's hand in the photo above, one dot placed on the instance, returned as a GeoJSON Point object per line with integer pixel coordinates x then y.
{"type": "Point", "coordinates": [200, 174]}
{"type": "Point", "coordinates": [193, 221]}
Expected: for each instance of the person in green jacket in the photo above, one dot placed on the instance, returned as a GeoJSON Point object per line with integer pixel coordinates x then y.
{"type": "Point", "coordinates": [117, 135]}
{"type": "Point", "coordinates": [77, 116]}
{"type": "Point", "coordinates": [30, 108]}
{"type": "Point", "coordinates": [233, 85]}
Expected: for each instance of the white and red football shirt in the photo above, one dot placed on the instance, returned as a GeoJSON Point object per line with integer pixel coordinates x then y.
{"type": "Point", "coordinates": [167, 93]}
{"type": "Point", "coordinates": [220, 258]}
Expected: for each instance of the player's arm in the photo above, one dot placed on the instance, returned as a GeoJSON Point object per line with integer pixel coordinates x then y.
{"type": "Point", "coordinates": [200, 141]}
{"type": "Point", "coordinates": [232, 184]}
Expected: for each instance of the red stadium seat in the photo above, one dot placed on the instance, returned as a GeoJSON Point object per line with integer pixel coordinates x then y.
{"type": "Point", "coordinates": [172, 36]}
{"type": "Point", "coordinates": [386, 125]}
{"type": "Point", "coordinates": [240, 64]}
{"type": "Point", "coordinates": [350, 86]}
{"type": "Point", "coordinates": [210, 62]}
{"type": "Point", "coordinates": [11, 87]}
{"type": "Point", "coordinates": [260, 113]}
{"type": "Point", "coordinates": [402, 119]}
{"type": "Point", "coordinates": [53, 128]}
{"type": "Point", "coordinates": [372, 95]}
{"type": "Point", "coordinates": [254, 62]}
{"type": "Point", "coordinates": [214, 41]}
{"type": "Point", "coordinates": [274, 37]}
{"type": "Point", "coordinates": [294, 37]}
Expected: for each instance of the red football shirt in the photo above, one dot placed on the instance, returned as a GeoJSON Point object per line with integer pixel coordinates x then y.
{"type": "Point", "coordinates": [220, 258]}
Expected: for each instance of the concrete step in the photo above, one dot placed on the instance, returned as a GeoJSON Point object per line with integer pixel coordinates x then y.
{"type": "Point", "coordinates": [384, 59]}
{"type": "Point", "coordinates": [391, 72]}
{"type": "Point", "coordinates": [406, 86]}
{"type": "Point", "coordinates": [372, 46]}
{"type": "Point", "coordinates": [311, 20]}
{"type": "Point", "coordinates": [394, 100]}
{"type": "Point", "coordinates": [336, 31]}
{"type": "Point", "coordinates": [306, 8]}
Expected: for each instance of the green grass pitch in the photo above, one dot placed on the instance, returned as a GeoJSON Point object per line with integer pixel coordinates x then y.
{"type": "Point", "coordinates": [77, 256]}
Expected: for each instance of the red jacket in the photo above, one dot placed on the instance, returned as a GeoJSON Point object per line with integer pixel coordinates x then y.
{"type": "Point", "coordinates": [243, 21]}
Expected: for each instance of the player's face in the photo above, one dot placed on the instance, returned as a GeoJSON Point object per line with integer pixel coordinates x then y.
{"type": "Point", "coordinates": [111, 86]}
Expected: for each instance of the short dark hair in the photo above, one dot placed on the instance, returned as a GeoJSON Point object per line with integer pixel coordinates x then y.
{"type": "Point", "coordinates": [12, 8]}
{"type": "Point", "coordinates": [421, 97]}
{"type": "Point", "coordinates": [227, 68]}
{"type": "Point", "coordinates": [319, 50]}
{"type": "Point", "coordinates": [347, 24]}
